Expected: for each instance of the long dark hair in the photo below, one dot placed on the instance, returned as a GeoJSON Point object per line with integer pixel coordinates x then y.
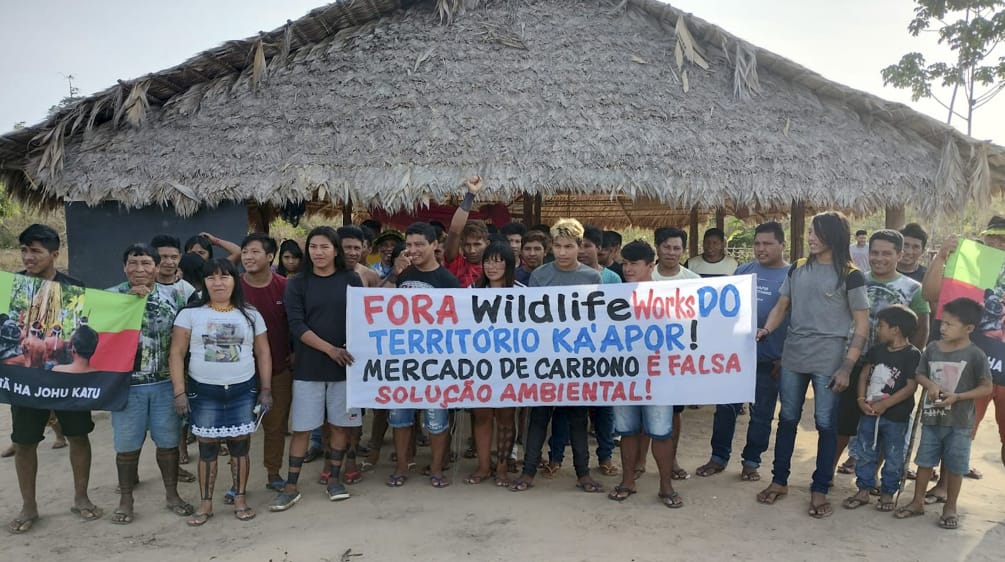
{"type": "Point", "coordinates": [498, 250]}
{"type": "Point", "coordinates": [831, 228]}
{"type": "Point", "coordinates": [332, 236]}
{"type": "Point", "coordinates": [223, 266]}
{"type": "Point", "coordinates": [293, 248]}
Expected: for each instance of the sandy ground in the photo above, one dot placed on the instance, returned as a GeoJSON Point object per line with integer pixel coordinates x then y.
{"type": "Point", "coordinates": [553, 521]}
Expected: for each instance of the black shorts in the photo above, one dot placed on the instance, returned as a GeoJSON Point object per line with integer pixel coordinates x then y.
{"type": "Point", "coordinates": [29, 424]}
{"type": "Point", "coordinates": [849, 414]}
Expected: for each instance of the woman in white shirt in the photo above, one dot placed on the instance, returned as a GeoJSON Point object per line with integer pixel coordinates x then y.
{"type": "Point", "coordinates": [225, 339]}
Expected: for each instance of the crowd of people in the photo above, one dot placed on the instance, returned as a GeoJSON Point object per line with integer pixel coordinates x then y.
{"type": "Point", "coordinates": [257, 338]}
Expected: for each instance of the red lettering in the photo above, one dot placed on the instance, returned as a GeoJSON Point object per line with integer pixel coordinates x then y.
{"type": "Point", "coordinates": [632, 395]}
{"type": "Point", "coordinates": [606, 387]}
{"type": "Point", "coordinates": [572, 392]}
{"type": "Point", "coordinates": [420, 309]}
{"type": "Point", "coordinates": [372, 305]}
{"type": "Point", "coordinates": [589, 391]}
{"type": "Point", "coordinates": [400, 395]}
{"type": "Point", "coordinates": [528, 392]}
{"type": "Point", "coordinates": [733, 364]}
{"type": "Point", "coordinates": [653, 365]}
{"type": "Point", "coordinates": [397, 317]}
{"type": "Point", "coordinates": [619, 393]}
{"type": "Point", "coordinates": [447, 311]}
{"type": "Point", "coordinates": [383, 395]}
{"type": "Point", "coordinates": [547, 392]}
{"type": "Point", "coordinates": [508, 394]}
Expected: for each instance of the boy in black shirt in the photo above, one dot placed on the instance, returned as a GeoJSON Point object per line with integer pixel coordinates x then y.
{"type": "Point", "coordinates": [886, 398]}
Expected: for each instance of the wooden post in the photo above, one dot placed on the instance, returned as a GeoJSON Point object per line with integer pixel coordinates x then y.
{"type": "Point", "coordinates": [798, 227]}
{"type": "Point", "coordinates": [347, 212]}
{"type": "Point", "coordinates": [692, 233]}
{"type": "Point", "coordinates": [538, 203]}
{"type": "Point", "coordinates": [528, 210]}
{"type": "Point", "coordinates": [720, 219]}
{"type": "Point", "coordinates": [895, 217]}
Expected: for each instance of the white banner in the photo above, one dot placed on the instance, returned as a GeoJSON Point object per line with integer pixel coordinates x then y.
{"type": "Point", "coordinates": [668, 342]}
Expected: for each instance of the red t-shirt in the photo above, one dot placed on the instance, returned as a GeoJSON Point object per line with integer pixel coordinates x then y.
{"type": "Point", "coordinates": [465, 272]}
{"type": "Point", "coordinates": [269, 302]}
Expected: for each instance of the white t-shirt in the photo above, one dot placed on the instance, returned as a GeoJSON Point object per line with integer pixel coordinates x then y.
{"type": "Point", "coordinates": [182, 286]}
{"type": "Point", "coordinates": [221, 344]}
{"type": "Point", "coordinates": [684, 273]}
{"type": "Point", "coordinates": [726, 266]}
{"type": "Point", "coordinates": [860, 256]}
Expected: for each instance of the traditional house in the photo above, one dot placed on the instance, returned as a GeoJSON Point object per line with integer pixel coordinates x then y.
{"type": "Point", "coordinates": [618, 112]}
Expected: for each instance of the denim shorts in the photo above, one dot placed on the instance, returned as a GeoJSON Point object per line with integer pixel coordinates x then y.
{"type": "Point", "coordinates": [222, 411]}
{"type": "Point", "coordinates": [951, 445]}
{"type": "Point", "coordinates": [150, 407]}
{"type": "Point", "coordinates": [312, 400]}
{"type": "Point", "coordinates": [655, 421]}
{"type": "Point", "coordinates": [435, 421]}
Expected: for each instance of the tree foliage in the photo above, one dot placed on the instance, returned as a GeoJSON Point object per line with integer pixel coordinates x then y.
{"type": "Point", "coordinates": [973, 30]}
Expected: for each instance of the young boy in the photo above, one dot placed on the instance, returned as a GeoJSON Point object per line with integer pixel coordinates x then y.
{"type": "Point", "coordinates": [954, 372]}
{"type": "Point", "coordinates": [886, 397]}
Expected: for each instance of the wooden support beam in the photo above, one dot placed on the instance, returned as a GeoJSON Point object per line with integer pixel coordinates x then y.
{"type": "Point", "coordinates": [895, 217]}
{"type": "Point", "coordinates": [528, 210]}
{"type": "Point", "coordinates": [692, 234]}
{"type": "Point", "coordinates": [538, 204]}
{"type": "Point", "coordinates": [720, 219]}
{"type": "Point", "coordinates": [798, 227]}
{"type": "Point", "coordinates": [347, 212]}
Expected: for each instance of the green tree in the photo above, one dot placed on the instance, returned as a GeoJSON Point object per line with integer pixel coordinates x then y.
{"type": "Point", "coordinates": [973, 30]}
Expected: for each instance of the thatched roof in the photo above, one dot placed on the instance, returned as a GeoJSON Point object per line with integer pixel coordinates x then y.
{"type": "Point", "coordinates": [391, 102]}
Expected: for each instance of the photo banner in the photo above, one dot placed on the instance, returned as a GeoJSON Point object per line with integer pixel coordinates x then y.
{"type": "Point", "coordinates": [977, 272]}
{"type": "Point", "coordinates": [663, 343]}
{"type": "Point", "coordinates": [65, 347]}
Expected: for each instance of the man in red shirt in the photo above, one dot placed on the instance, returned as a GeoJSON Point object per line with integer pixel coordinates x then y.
{"type": "Point", "coordinates": [264, 289]}
{"type": "Point", "coordinates": [466, 265]}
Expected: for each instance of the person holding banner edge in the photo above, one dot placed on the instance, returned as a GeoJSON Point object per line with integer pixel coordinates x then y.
{"type": "Point", "coordinates": [39, 249]}
{"type": "Point", "coordinates": [227, 343]}
{"type": "Point", "coordinates": [150, 406]}
{"type": "Point", "coordinates": [770, 268]}
{"type": "Point", "coordinates": [638, 424]}
{"type": "Point", "coordinates": [827, 297]}
{"type": "Point", "coordinates": [417, 268]}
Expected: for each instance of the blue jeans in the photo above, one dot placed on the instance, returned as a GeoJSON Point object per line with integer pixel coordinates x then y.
{"type": "Point", "coordinates": [792, 392]}
{"type": "Point", "coordinates": [434, 420]}
{"type": "Point", "coordinates": [603, 424]}
{"type": "Point", "coordinates": [890, 442]}
{"type": "Point", "coordinates": [762, 411]}
{"type": "Point", "coordinates": [150, 407]}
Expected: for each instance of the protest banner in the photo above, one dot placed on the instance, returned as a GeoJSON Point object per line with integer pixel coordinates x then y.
{"type": "Point", "coordinates": [683, 342]}
{"type": "Point", "coordinates": [64, 347]}
{"type": "Point", "coordinates": [977, 272]}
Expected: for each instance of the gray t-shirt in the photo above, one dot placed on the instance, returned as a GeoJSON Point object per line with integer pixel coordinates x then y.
{"type": "Point", "coordinates": [821, 319]}
{"type": "Point", "coordinates": [548, 275]}
{"type": "Point", "coordinates": [954, 371]}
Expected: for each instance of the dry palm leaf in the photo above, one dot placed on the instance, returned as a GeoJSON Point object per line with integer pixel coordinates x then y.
{"type": "Point", "coordinates": [448, 9]}
{"type": "Point", "coordinates": [136, 105]}
{"type": "Point", "coordinates": [688, 46]}
{"type": "Point", "coordinates": [979, 178]}
{"type": "Point", "coordinates": [745, 82]}
{"type": "Point", "coordinates": [259, 69]}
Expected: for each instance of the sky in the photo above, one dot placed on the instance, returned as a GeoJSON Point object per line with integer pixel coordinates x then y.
{"type": "Point", "coordinates": [100, 41]}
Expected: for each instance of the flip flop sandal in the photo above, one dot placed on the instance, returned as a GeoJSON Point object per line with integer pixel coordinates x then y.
{"type": "Point", "coordinates": [439, 481]}
{"type": "Point", "coordinates": [886, 506]}
{"type": "Point", "coordinates": [949, 522]}
{"type": "Point", "coordinates": [847, 467]}
{"type": "Point", "coordinates": [228, 498]}
{"type": "Point", "coordinates": [672, 501]}
{"type": "Point", "coordinates": [750, 476]}
{"type": "Point", "coordinates": [931, 498]}
{"type": "Point", "coordinates": [821, 511]}
{"type": "Point", "coordinates": [769, 497]}
{"type": "Point", "coordinates": [428, 469]}
{"type": "Point", "coordinates": [245, 514]}
{"type": "Point", "coordinates": [679, 474]}
{"type": "Point", "coordinates": [21, 526]}
{"type": "Point", "coordinates": [875, 492]}
{"type": "Point", "coordinates": [590, 487]}
{"type": "Point", "coordinates": [976, 475]}
{"type": "Point", "coordinates": [551, 469]}
{"type": "Point", "coordinates": [470, 453]}
{"type": "Point", "coordinates": [185, 476]}
{"type": "Point", "coordinates": [502, 482]}
{"type": "Point", "coordinates": [199, 519]}
{"type": "Point", "coordinates": [396, 480]}
{"type": "Point", "coordinates": [59, 445]}
{"type": "Point", "coordinates": [6, 454]}
{"type": "Point", "coordinates": [476, 478]}
{"type": "Point", "coordinates": [906, 513]}
{"type": "Point", "coordinates": [639, 472]}
{"type": "Point", "coordinates": [121, 517]}
{"type": "Point", "coordinates": [620, 493]}
{"type": "Point", "coordinates": [87, 513]}
{"type": "Point", "coordinates": [183, 509]}
{"type": "Point", "coordinates": [608, 469]}
{"type": "Point", "coordinates": [709, 469]}
{"type": "Point", "coordinates": [366, 466]}
{"type": "Point", "coordinates": [520, 485]}
{"type": "Point", "coordinates": [353, 476]}
{"type": "Point", "coordinates": [853, 502]}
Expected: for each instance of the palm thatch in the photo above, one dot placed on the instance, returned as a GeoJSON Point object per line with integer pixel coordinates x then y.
{"type": "Point", "coordinates": [387, 103]}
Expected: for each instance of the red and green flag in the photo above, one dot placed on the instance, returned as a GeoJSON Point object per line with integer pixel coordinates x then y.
{"type": "Point", "coordinates": [66, 347]}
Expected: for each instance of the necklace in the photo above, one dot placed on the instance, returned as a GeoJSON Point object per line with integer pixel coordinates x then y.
{"type": "Point", "coordinates": [221, 308]}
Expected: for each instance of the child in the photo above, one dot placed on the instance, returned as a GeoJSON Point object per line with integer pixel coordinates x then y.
{"type": "Point", "coordinates": [953, 371]}
{"type": "Point", "coordinates": [886, 397]}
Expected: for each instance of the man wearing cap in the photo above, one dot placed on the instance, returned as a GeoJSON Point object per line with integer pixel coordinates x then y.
{"type": "Point", "coordinates": [384, 243]}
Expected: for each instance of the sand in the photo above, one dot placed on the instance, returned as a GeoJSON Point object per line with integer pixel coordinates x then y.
{"type": "Point", "coordinates": [552, 521]}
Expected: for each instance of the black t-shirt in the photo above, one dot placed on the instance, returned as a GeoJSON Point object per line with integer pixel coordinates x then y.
{"type": "Point", "coordinates": [60, 278]}
{"type": "Point", "coordinates": [619, 269]}
{"type": "Point", "coordinates": [918, 274]}
{"type": "Point", "coordinates": [438, 278]}
{"type": "Point", "coordinates": [318, 304]}
{"type": "Point", "coordinates": [890, 372]}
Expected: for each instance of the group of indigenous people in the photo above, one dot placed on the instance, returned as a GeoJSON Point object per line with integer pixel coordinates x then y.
{"type": "Point", "coordinates": [257, 339]}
